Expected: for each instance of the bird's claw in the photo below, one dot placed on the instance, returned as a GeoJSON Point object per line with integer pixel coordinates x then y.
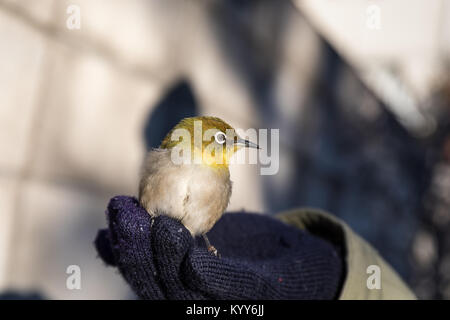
{"type": "Point", "coordinates": [214, 251]}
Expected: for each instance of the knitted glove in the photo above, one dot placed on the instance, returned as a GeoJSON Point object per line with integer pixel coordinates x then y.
{"type": "Point", "coordinates": [260, 257]}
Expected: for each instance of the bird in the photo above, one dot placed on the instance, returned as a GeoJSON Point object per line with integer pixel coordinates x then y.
{"type": "Point", "coordinates": [197, 190]}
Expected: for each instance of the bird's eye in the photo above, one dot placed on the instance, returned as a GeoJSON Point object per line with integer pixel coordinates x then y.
{"type": "Point", "coordinates": [220, 137]}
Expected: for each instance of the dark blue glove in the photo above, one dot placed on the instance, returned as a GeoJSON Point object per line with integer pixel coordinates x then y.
{"type": "Point", "coordinates": [260, 257]}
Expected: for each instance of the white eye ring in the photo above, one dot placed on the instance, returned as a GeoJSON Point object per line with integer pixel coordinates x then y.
{"type": "Point", "coordinates": [222, 139]}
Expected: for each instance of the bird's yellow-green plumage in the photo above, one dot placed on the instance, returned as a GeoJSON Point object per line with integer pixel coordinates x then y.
{"type": "Point", "coordinates": [208, 148]}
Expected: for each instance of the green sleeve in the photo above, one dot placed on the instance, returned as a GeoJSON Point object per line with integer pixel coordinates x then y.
{"type": "Point", "coordinates": [358, 257]}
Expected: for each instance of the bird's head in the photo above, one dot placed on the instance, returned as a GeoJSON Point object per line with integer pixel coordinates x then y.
{"type": "Point", "coordinates": [210, 138]}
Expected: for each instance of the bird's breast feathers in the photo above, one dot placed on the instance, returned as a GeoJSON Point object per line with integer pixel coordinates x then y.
{"type": "Point", "coordinates": [195, 194]}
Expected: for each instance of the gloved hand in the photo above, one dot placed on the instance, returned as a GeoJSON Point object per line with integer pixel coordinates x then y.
{"type": "Point", "coordinates": [260, 257]}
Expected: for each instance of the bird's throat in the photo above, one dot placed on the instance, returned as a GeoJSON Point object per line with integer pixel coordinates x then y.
{"type": "Point", "coordinates": [215, 161]}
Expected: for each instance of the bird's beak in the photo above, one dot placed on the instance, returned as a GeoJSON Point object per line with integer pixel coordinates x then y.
{"type": "Point", "coordinates": [245, 143]}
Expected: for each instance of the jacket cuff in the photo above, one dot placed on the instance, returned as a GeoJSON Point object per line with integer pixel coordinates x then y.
{"type": "Point", "coordinates": [361, 260]}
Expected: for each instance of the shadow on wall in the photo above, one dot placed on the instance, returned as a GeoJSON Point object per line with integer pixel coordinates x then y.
{"type": "Point", "coordinates": [178, 103]}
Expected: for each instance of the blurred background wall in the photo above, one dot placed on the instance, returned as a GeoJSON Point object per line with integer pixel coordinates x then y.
{"type": "Point", "coordinates": [360, 91]}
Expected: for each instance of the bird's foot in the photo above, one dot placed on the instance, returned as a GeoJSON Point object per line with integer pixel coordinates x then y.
{"type": "Point", "coordinates": [210, 246]}
{"type": "Point", "coordinates": [214, 251]}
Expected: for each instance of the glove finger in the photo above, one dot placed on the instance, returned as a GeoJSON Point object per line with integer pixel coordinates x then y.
{"type": "Point", "coordinates": [171, 242]}
{"type": "Point", "coordinates": [103, 246]}
{"type": "Point", "coordinates": [127, 219]}
{"type": "Point", "coordinates": [222, 278]}
{"type": "Point", "coordinates": [130, 226]}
